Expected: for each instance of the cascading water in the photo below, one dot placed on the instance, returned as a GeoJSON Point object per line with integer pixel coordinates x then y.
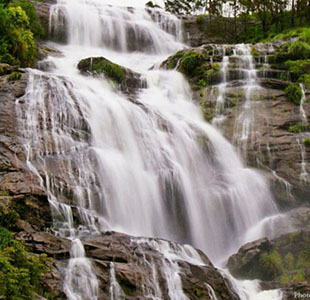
{"type": "Point", "coordinates": [149, 168]}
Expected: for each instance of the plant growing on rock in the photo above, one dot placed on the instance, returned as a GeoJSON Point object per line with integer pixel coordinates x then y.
{"type": "Point", "coordinates": [191, 61]}
{"type": "Point", "coordinates": [20, 273]}
{"type": "Point", "coordinates": [294, 93]}
{"type": "Point", "coordinates": [306, 142]}
{"type": "Point", "coordinates": [100, 65]}
{"type": "Point", "coordinates": [272, 264]}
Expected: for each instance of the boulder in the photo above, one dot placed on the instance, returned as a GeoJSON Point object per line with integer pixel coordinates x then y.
{"type": "Point", "coordinates": [145, 264]}
{"type": "Point", "coordinates": [276, 141]}
{"type": "Point", "coordinates": [279, 263]}
{"type": "Point", "coordinates": [128, 81]}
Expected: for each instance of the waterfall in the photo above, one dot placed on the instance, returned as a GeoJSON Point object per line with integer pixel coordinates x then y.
{"type": "Point", "coordinates": [149, 168]}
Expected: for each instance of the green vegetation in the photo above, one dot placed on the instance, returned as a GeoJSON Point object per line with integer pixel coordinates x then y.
{"type": "Point", "coordinates": [110, 70]}
{"type": "Point", "coordinates": [201, 18]}
{"type": "Point", "coordinates": [272, 264]}
{"type": "Point", "coordinates": [207, 110]}
{"type": "Point", "coordinates": [195, 66]}
{"type": "Point", "coordinates": [199, 292]}
{"type": "Point", "coordinates": [306, 142]}
{"type": "Point", "coordinates": [20, 273]}
{"type": "Point", "coordinates": [191, 61]}
{"type": "Point", "coordinates": [100, 65]}
{"type": "Point", "coordinates": [15, 76]}
{"type": "Point", "coordinates": [294, 93]}
{"type": "Point", "coordinates": [173, 60]}
{"type": "Point", "coordinates": [8, 218]}
{"type": "Point", "coordinates": [18, 30]}
{"type": "Point", "coordinates": [300, 127]}
{"type": "Point", "coordinates": [254, 52]}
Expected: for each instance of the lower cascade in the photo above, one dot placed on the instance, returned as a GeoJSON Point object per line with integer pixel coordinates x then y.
{"type": "Point", "coordinates": [137, 181]}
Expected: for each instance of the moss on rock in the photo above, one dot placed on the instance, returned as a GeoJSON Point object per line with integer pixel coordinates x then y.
{"type": "Point", "coordinates": [101, 65]}
{"type": "Point", "coordinates": [294, 93]}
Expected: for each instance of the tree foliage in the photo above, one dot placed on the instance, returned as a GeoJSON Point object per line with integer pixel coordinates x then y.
{"type": "Point", "coordinates": [271, 13]}
{"type": "Point", "coordinates": [18, 29]}
{"type": "Point", "coordinates": [20, 273]}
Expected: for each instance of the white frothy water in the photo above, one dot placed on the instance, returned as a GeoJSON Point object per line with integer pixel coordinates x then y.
{"type": "Point", "coordinates": [154, 168]}
{"type": "Point", "coordinates": [244, 127]}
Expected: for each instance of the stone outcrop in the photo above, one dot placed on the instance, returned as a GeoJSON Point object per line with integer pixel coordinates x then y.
{"type": "Point", "coordinates": [283, 262]}
{"type": "Point", "coordinates": [203, 29]}
{"type": "Point", "coordinates": [276, 132]}
{"type": "Point", "coordinates": [142, 264]}
{"type": "Point", "coordinates": [128, 80]}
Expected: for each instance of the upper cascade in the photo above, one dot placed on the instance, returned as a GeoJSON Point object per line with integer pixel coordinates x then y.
{"type": "Point", "coordinates": [94, 23]}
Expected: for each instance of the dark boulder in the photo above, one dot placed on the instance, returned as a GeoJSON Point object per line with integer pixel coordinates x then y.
{"type": "Point", "coordinates": [128, 81]}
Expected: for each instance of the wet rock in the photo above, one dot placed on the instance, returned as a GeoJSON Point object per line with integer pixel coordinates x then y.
{"type": "Point", "coordinates": [137, 262]}
{"type": "Point", "coordinates": [276, 134]}
{"type": "Point", "coordinates": [43, 10]}
{"type": "Point", "coordinates": [280, 262]}
{"type": "Point", "coordinates": [128, 81]}
{"type": "Point", "coordinates": [245, 263]}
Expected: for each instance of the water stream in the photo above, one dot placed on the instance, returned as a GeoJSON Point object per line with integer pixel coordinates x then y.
{"type": "Point", "coordinates": [149, 168]}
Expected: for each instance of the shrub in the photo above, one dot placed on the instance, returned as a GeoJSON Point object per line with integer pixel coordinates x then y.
{"type": "Point", "coordinates": [299, 50]}
{"type": "Point", "coordinates": [15, 76]}
{"type": "Point", "coordinates": [294, 93]}
{"type": "Point", "coordinates": [298, 68]}
{"type": "Point", "coordinates": [18, 26]}
{"type": "Point", "coordinates": [173, 60]}
{"type": "Point", "coordinates": [20, 273]}
{"type": "Point", "coordinates": [191, 61]}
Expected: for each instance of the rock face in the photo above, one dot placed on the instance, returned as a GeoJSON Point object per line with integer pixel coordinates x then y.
{"type": "Point", "coordinates": [142, 264]}
{"type": "Point", "coordinates": [267, 128]}
{"type": "Point", "coordinates": [281, 263]}
{"type": "Point", "coordinates": [200, 30]}
{"type": "Point", "coordinates": [128, 81]}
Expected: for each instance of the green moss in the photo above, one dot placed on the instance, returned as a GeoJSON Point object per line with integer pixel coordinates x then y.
{"type": "Point", "coordinates": [254, 52]}
{"type": "Point", "coordinates": [199, 292]}
{"type": "Point", "coordinates": [190, 62]}
{"type": "Point", "coordinates": [201, 18]}
{"type": "Point", "coordinates": [15, 76]}
{"type": "Point", "coordinates": [207, 111]}
{"type": "Point", "coordinates": [173, 60]}
{"type": "Point", "coordinates": [303, 260]}
{"type": "Point", "coordinates": [306, 142]}
{"type": "Point", "coordinates": [110, 70]}
{"type": "Point", "coordinates": [8, 218]}
{"type": "Point", "coordinates": [300, 127]}
{"type": "Point", "coordinates": [305, 79]}
{"type": "Point", "coordinates": [202, 83]}
{"type": "Point", "coordinates": [289, 261]}
{"type": "Point", "coordinates": [294, 93]}
{"type": "Point", "coordinates": [100, 65]}
{"type": "Point", "coordinates": [272, 264]}
{"type": "Point", "coordinates": [272, 59]}
{"type": "Point", "coordinates": [4, 193]}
